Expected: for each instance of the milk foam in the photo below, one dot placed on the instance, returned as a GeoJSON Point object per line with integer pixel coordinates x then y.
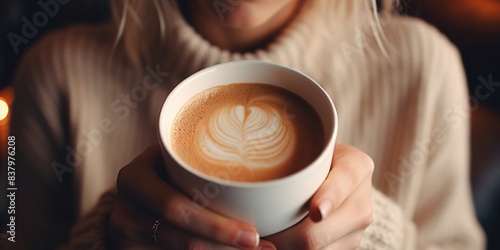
{"type": "Point", "coordinates": [253, 136]}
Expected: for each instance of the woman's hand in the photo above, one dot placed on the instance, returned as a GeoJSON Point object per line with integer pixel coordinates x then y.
{"type": "Point", "coordinates": [339, 212]}
{"type": "Point", "coordinates": [341, 209]}
{"type": "Point", "coordinates": [145, 196]}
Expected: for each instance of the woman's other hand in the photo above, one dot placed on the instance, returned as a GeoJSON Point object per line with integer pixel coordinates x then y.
{"type": "Point", "coordinates": [341, 209]}
{"type": "Point", "coordinates": [145, 196]}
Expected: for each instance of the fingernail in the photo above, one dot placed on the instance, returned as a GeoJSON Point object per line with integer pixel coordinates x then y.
{"type": "Point", "coordinates": [247, 239]}
{"type": "Point", "coordinates": [325, 208]}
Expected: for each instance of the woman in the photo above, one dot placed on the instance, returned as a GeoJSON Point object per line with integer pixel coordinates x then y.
{"type": "Point", "coordinates": [91, 95]}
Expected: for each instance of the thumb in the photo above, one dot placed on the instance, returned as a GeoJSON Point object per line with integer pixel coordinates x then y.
{"type": "Point", "coordinates": [350, 167]}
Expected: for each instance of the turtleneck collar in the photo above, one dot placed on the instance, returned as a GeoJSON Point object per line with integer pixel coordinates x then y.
{"type": "Point", "coordinates": [193, 52]}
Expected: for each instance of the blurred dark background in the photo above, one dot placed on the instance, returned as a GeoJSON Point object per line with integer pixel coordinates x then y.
{"type": "Point", "coordinates": [13, 16]}
{"type": "Point", "coordinates": [472, 25]}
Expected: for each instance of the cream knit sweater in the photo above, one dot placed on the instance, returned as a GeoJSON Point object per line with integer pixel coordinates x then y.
{"type": "Point", "coordinates": [80, 116]}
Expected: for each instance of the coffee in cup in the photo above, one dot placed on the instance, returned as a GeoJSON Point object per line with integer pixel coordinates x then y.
{"type": "Point", "coordinates": [263, 132]}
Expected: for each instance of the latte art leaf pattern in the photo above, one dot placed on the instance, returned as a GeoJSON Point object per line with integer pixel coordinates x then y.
{"type": "Point", "coordinates": [255, 136]}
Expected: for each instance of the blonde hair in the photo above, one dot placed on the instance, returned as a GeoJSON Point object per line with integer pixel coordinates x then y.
{"type": "Point", "coordinates": [142, 25]}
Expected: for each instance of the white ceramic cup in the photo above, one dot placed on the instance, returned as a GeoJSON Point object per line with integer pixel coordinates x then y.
{"type": "Point", "coordinates": [271, 206]}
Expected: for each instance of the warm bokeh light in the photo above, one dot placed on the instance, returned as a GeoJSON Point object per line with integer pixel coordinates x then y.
{"type": "Point", "coordinates": [6, 98]}
{"type": "Point", "coordinates": [4, 109]}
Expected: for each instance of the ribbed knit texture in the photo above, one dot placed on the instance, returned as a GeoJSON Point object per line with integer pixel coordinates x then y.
{"type": "Point", "coordinates": [407, 110]}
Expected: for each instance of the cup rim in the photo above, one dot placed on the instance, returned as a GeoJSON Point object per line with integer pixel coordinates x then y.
{"type": "Point", "coordinates": [329, 143]}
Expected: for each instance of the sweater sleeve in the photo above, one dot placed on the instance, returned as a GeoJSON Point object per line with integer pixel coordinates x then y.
{"type": "Point", "coordinates": [44, 203]}
{"type": "Point", "coordinates": [444, 214]}
{"type": "Point", "coordinates": [90, 231]}
{"type": "Point", "coordinates": [440, 213]}
{"type": "Point", "coordinates": [389, 228]}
